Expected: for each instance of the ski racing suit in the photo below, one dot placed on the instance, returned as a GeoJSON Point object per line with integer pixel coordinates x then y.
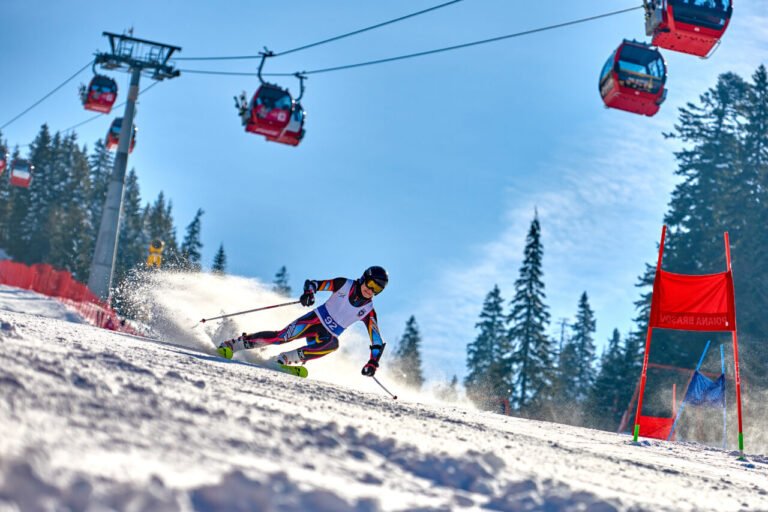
{"type": "Point", "coordinates": [323, 325]}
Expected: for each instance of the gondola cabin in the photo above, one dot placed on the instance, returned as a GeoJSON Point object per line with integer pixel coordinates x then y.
{"type": "Point", "coordinates": [269, 111]}
{"type": "Point", "coordinates": [113, 135]}
{"type": "Point", "coordinates": [3, 163]}
{"type": "Point", "coordinates": [688, 26]}
{"type": "Point", "coordinates": [294, 131]}
{"type": "Point", "coordinates": [633, 79]}
{"type": "Point", "coordinates": [21, 173]}
{"type": "Point", "coordinates": [100, 94]}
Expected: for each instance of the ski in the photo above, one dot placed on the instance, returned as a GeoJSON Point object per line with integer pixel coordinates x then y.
{"type": "Point", "coordinates": [298, 371]}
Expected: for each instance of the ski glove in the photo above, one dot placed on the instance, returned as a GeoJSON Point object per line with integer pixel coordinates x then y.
{"type": "Point", "coordinates": [370, 368]}
{"type": "Point", "coordinates": [307, 299]}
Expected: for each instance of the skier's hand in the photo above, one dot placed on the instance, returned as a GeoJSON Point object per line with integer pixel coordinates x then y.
{"type": "Point", "coordinates": [370, 368]}
{"type": "Point", "coordinates": [307, 298]}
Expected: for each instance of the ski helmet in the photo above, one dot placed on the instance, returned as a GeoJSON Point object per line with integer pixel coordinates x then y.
{"type": "Point", "coordinates": [375, 278]}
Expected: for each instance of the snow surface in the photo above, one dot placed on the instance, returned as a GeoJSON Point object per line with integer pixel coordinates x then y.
{"type": "Point", "coordinates": [96, 420]}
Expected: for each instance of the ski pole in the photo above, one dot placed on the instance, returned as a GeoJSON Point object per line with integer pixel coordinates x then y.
{"type": "Point", "coordinates": [394, 397]}
{"type": "Point", "coordinates": [249, 311]}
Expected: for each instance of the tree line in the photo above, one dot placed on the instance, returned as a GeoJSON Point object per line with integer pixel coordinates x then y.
{"type": "Point", "coordinates": [56, 220]}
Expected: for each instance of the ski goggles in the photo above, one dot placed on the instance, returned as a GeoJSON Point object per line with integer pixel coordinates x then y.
{"type": "Point", "coordinates": [375, 287]}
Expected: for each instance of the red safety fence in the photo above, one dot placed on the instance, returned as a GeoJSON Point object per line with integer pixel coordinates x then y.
{"type": "Point", "coordinates": [59, 284]}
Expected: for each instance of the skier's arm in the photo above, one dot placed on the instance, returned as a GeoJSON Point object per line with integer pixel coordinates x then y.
{"type": "Point", "coordinates": [326, 285]}
{"type": "Point", "coordinates": [377, 344]}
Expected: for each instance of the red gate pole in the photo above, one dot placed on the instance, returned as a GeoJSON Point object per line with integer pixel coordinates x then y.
{"type": "Point", "coordinates": [736, 374]}
{"type": "Point", "coordinates": [648, 340]}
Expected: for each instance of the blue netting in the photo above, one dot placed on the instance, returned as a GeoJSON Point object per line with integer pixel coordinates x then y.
{"type": "Point", "coordinates": [705, 391]}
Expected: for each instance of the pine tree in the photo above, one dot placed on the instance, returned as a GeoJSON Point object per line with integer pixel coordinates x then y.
{"type": "Point", "coordinates": [6, 199]}
{"type": "Point", "coordinates": [408, 355]}
{"type": "Point", "coordinates": [606, 401]}
{"type": "Point", "coordinates": [219, 261]}
{"type": "Point", "coordinates": [584, 344]}
{"type": "Point", "coordinates": [751, 269]}
{"type": "Point", "coordinates": [489, 375]}
{"type": "Point", "coordinates": [29, 237]}
{"type": "Point", "coordinates": [528, 321]}
{"type": "Point", "coordinates": [133, 243]}
{"type": "Point", "coordinates": [280, 284]}
{"type": "Point", "coordinates": [69, 223]}
{"type": "Point", "coordinates": [101, 164]}
{"type": "Point", "coordinates": [19, 199]}
{"type": "Point", "coordinates": [575, 371]}
{"type": "Point", "coordinates": [191, 246]}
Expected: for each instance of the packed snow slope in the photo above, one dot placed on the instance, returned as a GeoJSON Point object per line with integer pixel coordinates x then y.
{"type": "Point", "coordinates": [96, 420]}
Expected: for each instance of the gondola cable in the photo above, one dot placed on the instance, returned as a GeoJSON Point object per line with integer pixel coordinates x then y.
{"type": "Point", "coordinates": [329, 40]}
{"type": "Point", "coordinates": [65, 82]}
{"type": "Point", "coordinates": [428, 52]}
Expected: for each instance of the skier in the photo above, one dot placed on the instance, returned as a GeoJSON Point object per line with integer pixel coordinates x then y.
{"type": "Point", "coordinates": [351, 301]}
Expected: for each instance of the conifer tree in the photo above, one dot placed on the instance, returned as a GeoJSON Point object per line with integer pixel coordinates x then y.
{"type": "Point", "coordinates": [584, 344]}
{"type": "Point", "coordinates": [101, 164]}
{"type": "Point", "coordinates": [69, 223]}
{"type": "Point", "coordinates": [219, 261]}
{"type": "Point", "coordinates": [489, 375]}
{"type": "Point", "coordinates": [606, 401]}
{"type": "Point", "coordinates": [751, 269]}
{"type": "Point", "coordinates": [408, 355]}
{"type": "Point", "coordinates": [191, 246]}
{"type": "Point", "coordinates": [133, 243]}
{"type": "Point", "coordinates": [6, 200]}
{"type": "Point", "coordinates": [14, 227]}
{"type": "Point", "coordinates": [30, 221]}
{"type": "Point", "coordinates": [280, 284]}
{"type": "Point", "coordinates": [528, 320]}
{"type": "Point", "coordinates": [565, 389]}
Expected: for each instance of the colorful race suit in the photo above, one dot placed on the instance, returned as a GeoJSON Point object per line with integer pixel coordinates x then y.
{"type": "Point", "coordinates": [324, 324]}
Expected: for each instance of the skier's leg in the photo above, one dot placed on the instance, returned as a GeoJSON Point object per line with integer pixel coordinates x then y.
{"type": "Point", "coordinates": [302, 327]}
{"type": "Point", "coordinates": [299, 328]}
{"type": "Point", "coordinates": [322, 344]}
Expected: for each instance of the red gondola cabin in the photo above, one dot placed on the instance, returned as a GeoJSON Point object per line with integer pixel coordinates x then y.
{"type": "Point", "coordinates": [269, 112]}
{"type": "Point", "coordinates": [294, 131]}
{"type": "Point", "coordinates": [113, 135]}
{"type": "Point", "coordinates": [21, 173]}
{"type": "Point", "coordinates": [633, 79]}
{"type": "Point", "coordinates": [3, 163]}
{"type": "Point", "coordinates": [100, 94]}
{"type": "Point", "coordinates": [688, 26]}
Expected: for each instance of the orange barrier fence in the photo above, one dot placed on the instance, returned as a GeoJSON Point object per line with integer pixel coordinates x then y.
{"type": "Point", "coordinates": [44, 279]}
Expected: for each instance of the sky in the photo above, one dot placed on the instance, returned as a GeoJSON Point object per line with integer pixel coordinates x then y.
{"type": "Point", "coordinates": [432, 167]}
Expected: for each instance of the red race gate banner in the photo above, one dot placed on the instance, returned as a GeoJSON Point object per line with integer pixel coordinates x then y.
{"type": "Point", "coordinates": [693, 303]}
